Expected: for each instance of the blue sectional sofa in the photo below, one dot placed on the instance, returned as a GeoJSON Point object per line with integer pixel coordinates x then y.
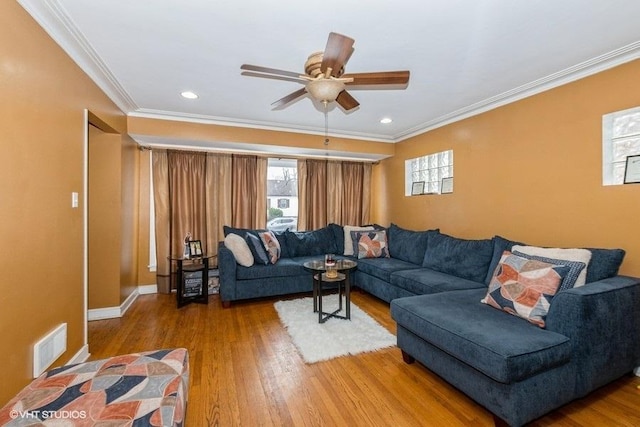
{"type": "Point", "coordinates": [435, 283]}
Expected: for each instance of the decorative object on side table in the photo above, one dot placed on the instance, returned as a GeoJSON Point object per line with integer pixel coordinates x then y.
{"type": "Point", "coordinates": [632, 170]}
{"type": "Point", "coordinates": [195, 248]}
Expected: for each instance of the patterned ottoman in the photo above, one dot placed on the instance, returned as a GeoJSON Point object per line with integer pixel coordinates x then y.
{"type": "Point", "coordinates": [139, 389]}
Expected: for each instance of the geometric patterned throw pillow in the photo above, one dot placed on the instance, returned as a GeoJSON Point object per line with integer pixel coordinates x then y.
{"type": "Point", "coordinates": [370, 244]}
{"type": "Point", "coordinates": [271, 245]}
{"type": "Point", "coordinates": [524, 287]}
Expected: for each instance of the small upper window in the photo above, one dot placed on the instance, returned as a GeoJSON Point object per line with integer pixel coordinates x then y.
{"type": "Point", "coordinates": [620, 138]}
{"type": "Point", "coordinates": [429, 169]}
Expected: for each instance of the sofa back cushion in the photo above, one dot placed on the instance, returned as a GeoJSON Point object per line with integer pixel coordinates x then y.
{"type": "Point", "coordinates": [604, 263]}
{"type": "Point", "coordinates": [468, 259]}
{"type": "Point", "coordinates": [316, 242]}
{"type": "Point", "coordinates": [408, 245]}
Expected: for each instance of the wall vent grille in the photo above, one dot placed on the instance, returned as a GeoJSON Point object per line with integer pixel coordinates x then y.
{"type": "Point", "coordinates": [48, 349]}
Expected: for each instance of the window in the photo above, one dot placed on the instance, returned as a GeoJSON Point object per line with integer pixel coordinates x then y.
{"type": "Point", "coordinates": [620, 138]}
{"type": "Point", "coordinates": [430, 169]}
{"type": "Point", "coordinates": [282, 194]}
{"type": "Point", "coordinates": [283, 203]}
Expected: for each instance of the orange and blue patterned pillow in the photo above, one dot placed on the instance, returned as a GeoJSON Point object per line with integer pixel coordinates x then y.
{"type": "Point", "coordinates": [525, 287]}
{"type": "Point", "coordinates": [370, 244]}
{"type": "Point", "coordinates": [271, 245]}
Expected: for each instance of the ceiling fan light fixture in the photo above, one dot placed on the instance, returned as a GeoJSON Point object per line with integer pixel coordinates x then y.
{"type": "Point", "coordinates": [325, 90]}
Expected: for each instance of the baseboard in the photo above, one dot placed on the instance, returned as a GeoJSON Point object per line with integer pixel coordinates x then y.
{"type": "Point", "coordinates": [81, 356]}
{"type": "Point", "coordinates": [148, 289]}
{"type": "Point", "coordinates": [115, 312]}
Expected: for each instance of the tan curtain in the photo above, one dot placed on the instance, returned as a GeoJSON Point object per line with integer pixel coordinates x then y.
{"type": "Point", "coordinates": [260, 216]}
{"type": "Point", "coordinates": [302, 194]}
{"type": "Point", "coordinates": [218, 203]}
{"type": "Point", "coordinates": [249, 192]}
{"type": "Point", "coordinates": [336, 192]}
{"type": "Point", "coordinates": [187, 191]}
{"type": "Point", "coordinates": [315, 203]}
{"type": "Point", "coordinates": [160, 172]}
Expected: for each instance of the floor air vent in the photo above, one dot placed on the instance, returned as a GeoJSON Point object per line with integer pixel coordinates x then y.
{"type": "Point", "coordinates": [48, 349]}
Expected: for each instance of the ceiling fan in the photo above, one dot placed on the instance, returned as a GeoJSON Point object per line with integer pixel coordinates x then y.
{"type": "Point", "coordinates": [324, 77]}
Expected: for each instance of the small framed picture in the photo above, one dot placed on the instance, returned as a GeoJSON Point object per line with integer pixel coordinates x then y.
{"type": "Point", "coordinates": [417, 188]}
{"type": "Point", "coordinates": [632, 170]}
{"type": "Point", "coordinates": [446, 185]}
{"type": "Point", "coordinates": [195, 248]}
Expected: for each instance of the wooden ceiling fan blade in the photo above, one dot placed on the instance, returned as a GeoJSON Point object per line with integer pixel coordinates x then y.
{"type": "Point", "coordinates": [266, 70]}
{"type": "Point", "coordinates": [336, 54]}
{"type": "Point", "coordinates": [346, 101]}
{"type": "Point", "coordinates": [378, 78]}
{"type": "Point", "coordinates": [282, 102]}
{"type": "Point", "coordinates": [273, 77]}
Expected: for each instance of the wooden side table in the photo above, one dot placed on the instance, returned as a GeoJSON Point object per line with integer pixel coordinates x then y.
{"type": "Point", "coordinates": [192, 275]}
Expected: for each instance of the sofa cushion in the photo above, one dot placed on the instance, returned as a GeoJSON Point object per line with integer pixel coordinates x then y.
{"type": "Point", "coordinates": [500, 244]}
{"type": "Point", "coordinates": [525, 287]}
{"type": "Point", "coordinates": [408, 245]}
{"type": "Point", "coordinates": [572, 254]}
{"type": "Point", "coordinates": [370, 244]}
{"type": "Point", "coordinates": [271, 245]}
{"type": "Point", "coordinates": [503, 347]}
{"type": "Point", "coordinates": [423, 281]}
{"type": "Point", "coordinates": [305, 243]}
{"type": "Point", "coordinates": [280, 235]}
{"type": "Point", "coordinates": [383, 267]}
{"type": "Point", "coordinates": [239, 248]}
{"type": "Point", "coordinates": [348, 240]}
{"type": "Point", "coordinates": [338, 234]}
{"type": "Point", "coordinates": [284, 267]}
{"type": "Point", "coordinates": [257, 249]}
{"type": "Point", "coordinates": [468, 259]}
{"type": "Point", "coordinates": [604, 263]}
{"type": "Point", "coordinates": [569, 280]}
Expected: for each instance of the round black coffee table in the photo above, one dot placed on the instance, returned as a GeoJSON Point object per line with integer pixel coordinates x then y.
{"type": "Point", "coordinates": [319, 270]}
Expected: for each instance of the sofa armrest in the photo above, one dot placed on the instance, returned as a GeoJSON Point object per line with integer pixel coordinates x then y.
{"type": "Point", "coordinates": [602, 320]}
{"type": "Point", "coordinates": [227, 269]}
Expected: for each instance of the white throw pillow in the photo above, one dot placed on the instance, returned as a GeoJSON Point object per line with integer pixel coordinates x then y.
{"type": "Point", "coordinates": [580, 255]}
{"type": "Point", "coordinates": [348, 241]}
{"type": "Point", "coordinates": [240, 249]}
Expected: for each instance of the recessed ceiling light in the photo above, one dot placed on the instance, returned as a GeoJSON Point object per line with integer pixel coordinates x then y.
{"type": "Point", "coordinates": [189, 95]}
{"type": "Point", "coordinates": [386, 120]}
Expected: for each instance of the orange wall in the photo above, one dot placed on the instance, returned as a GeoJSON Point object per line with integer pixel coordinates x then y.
{"type": "Point", "coordinates": [104, 219]}
{"type": "Point", "coordinates": [44, 95]}
{"type": "Point", "coordinates": [530, 171]}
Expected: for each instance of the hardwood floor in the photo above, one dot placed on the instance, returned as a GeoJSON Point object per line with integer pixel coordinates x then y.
{"type": "Point", "coordinates": [245, 371]}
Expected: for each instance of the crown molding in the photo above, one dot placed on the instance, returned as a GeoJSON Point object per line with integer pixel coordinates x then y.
{"type": "Point", "coordinates": [587, 68]}
{"type": "Point", "coordinates": [253, 124]}
{"type": "Point", "coordinates": [53, 18]}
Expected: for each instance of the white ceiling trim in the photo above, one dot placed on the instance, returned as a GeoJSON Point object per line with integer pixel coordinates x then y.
{"type": "Point", "coordinates": [169, 143]}
{"type": "Point", "coordinates": [225, 121]}
{"type": "Point", "coordinates": [593, 66]}
{"type": "Point", "coordinates": [57, 23]}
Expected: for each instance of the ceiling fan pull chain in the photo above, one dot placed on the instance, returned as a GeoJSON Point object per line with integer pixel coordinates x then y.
{"type": "Point", "coordinates": [326, 122]}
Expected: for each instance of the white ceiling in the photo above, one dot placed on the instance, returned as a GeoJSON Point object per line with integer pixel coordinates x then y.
{"type": "Point", "coordinates": [465, 56]}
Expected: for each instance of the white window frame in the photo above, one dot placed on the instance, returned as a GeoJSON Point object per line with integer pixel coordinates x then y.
{"type": "Point", "coordinates": [612, 163]}
{"type": "Point", "coordinates": [432, 172]}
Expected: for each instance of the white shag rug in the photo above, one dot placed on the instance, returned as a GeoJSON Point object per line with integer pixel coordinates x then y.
{"type": "Point", "coordinates": [336, 337]}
